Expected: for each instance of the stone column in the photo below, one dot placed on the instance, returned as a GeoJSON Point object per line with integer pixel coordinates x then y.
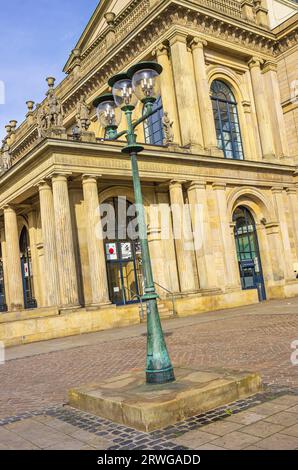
{"type": "Point", "coordinates": [96, 254]}
{"type": "Point", "coordinates": [4, 263]}
{"type": "Point", "coordinates": [64, 240]}
{"type": "Point", "coordinates": [167, 242]}
{"type": "Point", "coordinates": [203, 92]}
{"type": "Point", "coordinates": [284, 231]}
{"type": "Point", "coordinates": [168, 89]}
{"type": "Point", "coordinates": [51, 276]}
{"type": "Point", "coordinates": [276, 252]}
{"type": "Point", "coordinates": [227, 243]}
{"type": "Point", "coordinates": [14, 272]}
{"type": "Point", "coordinates": [184, 245]}
{"type": "Point", "coordinates": [261, 104]}
{"type": "Point", "coordinates": [248, 136]}
{"type": "Point", "coordinates": [197, 196]}
{"type": "Point", "coordinates": [185, 86]}
{"type": "Point", "coordinates": [32, 221]}
{"type": "Point", "coordinates": [293, 203]}
{"type": "Point", "coordinates": [275, 109]}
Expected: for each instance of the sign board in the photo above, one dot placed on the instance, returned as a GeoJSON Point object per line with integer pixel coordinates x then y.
{"type": "Point", "coordinates": [111, 251]}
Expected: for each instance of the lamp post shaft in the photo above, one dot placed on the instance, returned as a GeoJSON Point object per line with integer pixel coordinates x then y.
{"type": "Point", "coordinates": [159, 369]}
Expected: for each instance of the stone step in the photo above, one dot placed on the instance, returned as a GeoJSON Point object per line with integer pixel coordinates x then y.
{"type": "Point", "coordinates": [164, 312]}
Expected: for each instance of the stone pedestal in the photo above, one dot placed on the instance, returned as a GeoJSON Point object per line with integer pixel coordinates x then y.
{"type": "Point", "coordinates": [128, 400]}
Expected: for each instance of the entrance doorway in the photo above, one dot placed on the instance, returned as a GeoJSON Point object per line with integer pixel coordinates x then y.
{"type": "Point", "coordinates": [3, 306]}
{"type": "Point", "coordinates": [123, 255]}
{"type": "Point", "coordinates": [248, 253]}
{"type": "Point", "coordinates": [27, 275]}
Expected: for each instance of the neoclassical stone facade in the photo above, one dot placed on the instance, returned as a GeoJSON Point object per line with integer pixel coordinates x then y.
{"type": "Point", "coordinates": [229, 88]}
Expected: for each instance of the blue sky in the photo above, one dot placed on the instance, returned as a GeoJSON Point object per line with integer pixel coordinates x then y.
{"type": "Point", "coordinates": [36, 37]}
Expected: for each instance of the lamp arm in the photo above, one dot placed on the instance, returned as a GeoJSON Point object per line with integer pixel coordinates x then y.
{"type": "Point", "coordinates": [146, 116]}
{"type": "Point", "coordinates": [137, 122]}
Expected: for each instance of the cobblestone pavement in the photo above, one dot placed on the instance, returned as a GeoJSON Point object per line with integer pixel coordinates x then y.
{"type": "Point", "coordinates": [35, 379]}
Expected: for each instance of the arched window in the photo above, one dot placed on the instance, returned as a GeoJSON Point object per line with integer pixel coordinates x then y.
{"type": "Point", "coordinates": [153, 127]}
{"type": "Point", "coordinates": [226, 120]}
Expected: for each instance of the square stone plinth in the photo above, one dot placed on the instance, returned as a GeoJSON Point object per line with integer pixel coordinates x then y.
{"type": "Point", "coordinates": [128, 400]}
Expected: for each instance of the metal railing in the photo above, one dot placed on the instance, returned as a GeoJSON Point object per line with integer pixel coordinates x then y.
{"type": "Point", "coordinates": [172, 295]}
{"type": "Point", "coordinates": [139, 297]}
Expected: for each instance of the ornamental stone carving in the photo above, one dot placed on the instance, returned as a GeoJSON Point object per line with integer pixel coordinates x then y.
{"type": "Point", "coordinates": [82, 115]}
{"type": "Point", "coordinates": [49, 117]}
{"type": "Point", "coordinates": [167, 129]}
{"type": "Point", "coordinates": [5, 162]}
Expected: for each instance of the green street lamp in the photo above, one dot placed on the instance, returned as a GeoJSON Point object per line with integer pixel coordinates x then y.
{"type": "Point", "coordinates": [141, 82]}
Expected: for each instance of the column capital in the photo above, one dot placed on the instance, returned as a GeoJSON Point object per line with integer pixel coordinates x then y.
{"type": "Point", "coordinates": [89, 178]}
{"type": "Point", "coordinates": [9, 208]}
{"type": "Point", "coordinates": [219, 186]}
{"type": "Point", "coordinates": [255, 62]}
{"type": "Point", "coordinates": [60, 176]}
{"type": "Point", "coordinates": [277, 189]}
{"type": "Point", "coordinates": [269, 66]}
{"type": "Point", "coordinates": [196, 185]}
{"type": "Point", "coordinates": [160, 50]}
{"type": "Point", "coordinates": [177, 182]}
{"type": "Point", "coordinates": [44, 184]}
{"type": "Point", "coordinates": [178, 36]}
{"type": "Point", "coordinates": [246, 106]}
{"type": "Point", "coordinates": [291, 190]}
{"type": "Point", "coordinates": [197, 43]}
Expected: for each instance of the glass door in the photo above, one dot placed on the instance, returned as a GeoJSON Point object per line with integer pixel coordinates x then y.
{"type": "Point", "coordinates": [248, 252]}
{"type": "Point", "coordinates": [124, 272]}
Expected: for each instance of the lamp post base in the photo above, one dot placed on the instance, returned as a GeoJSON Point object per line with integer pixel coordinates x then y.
{"type": "Point", "coordinates": [160, 376]}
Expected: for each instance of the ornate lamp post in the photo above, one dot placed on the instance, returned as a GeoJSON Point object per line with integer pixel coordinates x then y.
{"type": "Point", "coordinates": [140, 82]}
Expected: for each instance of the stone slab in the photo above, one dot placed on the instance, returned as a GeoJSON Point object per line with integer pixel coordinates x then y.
{"type": "Point", "coordinates": [128, 400]}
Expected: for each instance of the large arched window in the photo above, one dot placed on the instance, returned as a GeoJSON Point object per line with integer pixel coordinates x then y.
{"type": "Point", "coordinates": [153, 126]}
{"type": "Point", "coordinates": [226, 120]}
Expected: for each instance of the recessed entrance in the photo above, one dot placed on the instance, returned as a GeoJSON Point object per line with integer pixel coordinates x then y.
{"type": "Point", "coordinates": [248, 253]}
{"type": "Point", "coordinates": [27, 275]}
{"type": "Point", "coordinates": [123, 254]}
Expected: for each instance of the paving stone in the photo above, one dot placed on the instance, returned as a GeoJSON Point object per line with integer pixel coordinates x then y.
{"type": "Point", "coordinates": [235, 440]}
{"type": "Point", "coordinates": [246, 417]}
{"type": "Point", "coordinates": [283, 418]}
{"type": "Point", "coordinates": [210, 447]}
{"type": "Point", "coordinates": [279, 442]}
{"type": "Point", "coordinates": [288, 400]}
{"type": "Point", "coordinates": [220, 428]}
{"type": "Point", "coordinates": [267, 409]}
{"type": "Point", "coordinates": [194, 439]}
{"type": "Point", "coordinates": [291, 431]}
{"type": "Point", "coordinates": [262, 429]}
{"type": "Point", "coordinates": [293, 409]}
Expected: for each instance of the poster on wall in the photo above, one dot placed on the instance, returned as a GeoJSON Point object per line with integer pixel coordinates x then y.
{"type": "Point", "coordinates": [126, 250]}
{"type": "Point", "coordinates": [111, 251]}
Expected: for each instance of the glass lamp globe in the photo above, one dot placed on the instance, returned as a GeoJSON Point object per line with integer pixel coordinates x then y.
{"type": "Point", "coordinates": [122, 91]}
{"type": "Point", "coordinates": [108, 114]}
{"type": "Point", "coordinates": [146, 81]}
